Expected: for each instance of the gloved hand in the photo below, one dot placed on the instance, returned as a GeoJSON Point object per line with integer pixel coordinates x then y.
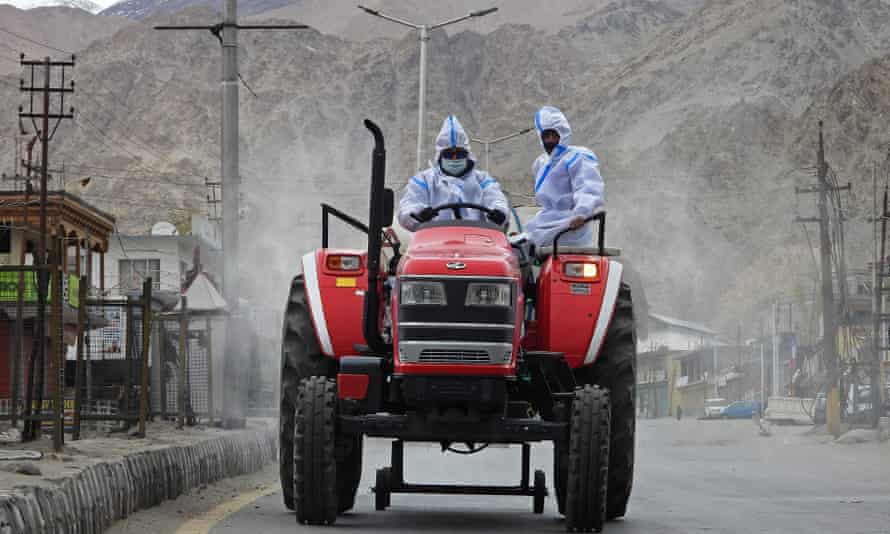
{"type": "Point", "coordinates": [576, 222]}
{"type": "Point", "coordinates": [425, 215]}
{"type": "Point", "coordinates": [497, 216]}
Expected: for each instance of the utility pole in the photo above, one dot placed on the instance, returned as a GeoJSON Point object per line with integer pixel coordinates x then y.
{"type": "Point", "coordinates": [227, 33]}
{"type": "Point", "coordinates": [46, 115]}
{"type": "Point", "coordinates": [829, 325]}
{"type": "Point", "coordinates": [424, 36]}
{"type": "Point", "coordinates": [829, 321]}
{"type": "Point", "coordinates": [774, 368]}
{"type": "Point", "coordinates": [880, 337]}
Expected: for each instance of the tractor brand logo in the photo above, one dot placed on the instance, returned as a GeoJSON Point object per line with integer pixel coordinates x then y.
{"type": "Point", "coordinates": [456, 265]}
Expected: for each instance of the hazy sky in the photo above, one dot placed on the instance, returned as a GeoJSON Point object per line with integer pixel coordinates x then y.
{"type": "Point", "coordinates": [27, 4]}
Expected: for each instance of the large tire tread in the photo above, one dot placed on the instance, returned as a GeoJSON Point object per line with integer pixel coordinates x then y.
{"type": "Point", "coordinates": [315, 461]}
{"type": "Point", "coordinates": [588, 461]}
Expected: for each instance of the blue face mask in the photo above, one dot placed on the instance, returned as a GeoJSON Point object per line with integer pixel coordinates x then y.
{"type": "Point", "coordinates": [454, 167]}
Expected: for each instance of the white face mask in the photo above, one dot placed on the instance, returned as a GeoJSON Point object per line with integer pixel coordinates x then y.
{"type": "Point", "coordinates": [454, 167]}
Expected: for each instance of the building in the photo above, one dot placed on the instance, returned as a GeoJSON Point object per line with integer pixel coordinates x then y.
{"type": "Point", "coordinates": [675, 334]}
{"type": "Point", "coordinates": [82, 233]}
{"type": "Point", "coordinates": [654, 383]}
{"type": "Point", "coordinates": [168, 258]}
{"type": "Point", "coordinates": [673, 367]}
{"type": "Point", "coordinates": [180, 266]}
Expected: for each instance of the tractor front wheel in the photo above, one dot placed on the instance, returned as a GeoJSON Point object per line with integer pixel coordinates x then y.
{"type": "Point", "coordinates": [315, 452]}
{"type": "Point", "coordinates": [588, 461]}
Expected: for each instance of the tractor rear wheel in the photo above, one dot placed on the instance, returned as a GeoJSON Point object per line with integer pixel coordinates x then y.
{"type": "Point", "coordinates": [301, 357]}
{"type": "Point", "coordinates": [615, 370]}
{"type": "Point", "coordinates": [349, 472]}
{"type": "Point", "coordinates": [315, 457]}
{"type": "Point", "coordinates": [588, 461]}
{"type": "Point", "coordinates": [540, 488]}
{"type": "Point", "coordinates": [560, 474]}
{"type": "Point", "coordinates": [382, 487]}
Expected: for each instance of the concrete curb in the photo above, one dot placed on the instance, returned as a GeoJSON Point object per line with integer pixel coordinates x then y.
{"type": "Point", "coordinates": [91, 500]}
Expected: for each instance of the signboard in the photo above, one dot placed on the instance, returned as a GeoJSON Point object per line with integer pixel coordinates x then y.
{"type": "Point", "coordinates": [9, 288]}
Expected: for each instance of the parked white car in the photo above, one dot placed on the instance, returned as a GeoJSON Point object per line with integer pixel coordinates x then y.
{"type": "Point", "coordinates": [714, 407]}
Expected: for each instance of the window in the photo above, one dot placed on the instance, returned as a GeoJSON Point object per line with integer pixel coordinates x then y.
{"type": "Point", "coordinates": [5, 240]}
{"type": "Point", "coordinates": [133, 273]}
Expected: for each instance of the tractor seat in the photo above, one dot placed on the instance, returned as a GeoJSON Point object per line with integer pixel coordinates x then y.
{"type": "Point", "coordinates": [544, 252]}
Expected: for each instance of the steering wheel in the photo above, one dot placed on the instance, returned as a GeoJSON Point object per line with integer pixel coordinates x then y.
{"type": "Point", "coordinates": [457, 206]}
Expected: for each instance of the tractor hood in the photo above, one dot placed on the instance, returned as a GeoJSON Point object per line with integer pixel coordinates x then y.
{"type": "Point", "coordinates": [459, 251]}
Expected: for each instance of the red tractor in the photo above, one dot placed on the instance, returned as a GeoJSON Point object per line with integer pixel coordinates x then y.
{"type": "Point", "coordinates": [455, 342]}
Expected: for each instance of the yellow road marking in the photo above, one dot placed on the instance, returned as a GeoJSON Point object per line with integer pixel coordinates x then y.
{"type": "Point", "coordinates": [209, 519]}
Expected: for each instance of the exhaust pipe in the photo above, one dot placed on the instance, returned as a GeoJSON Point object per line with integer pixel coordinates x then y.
{"type": "Point", "coordinates": [371, 315]}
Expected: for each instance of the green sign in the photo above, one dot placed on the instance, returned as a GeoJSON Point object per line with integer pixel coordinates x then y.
{"type": "Point", "coordinates": [9, 288]}
{"type": "Point", "coordinates": [73, 291]}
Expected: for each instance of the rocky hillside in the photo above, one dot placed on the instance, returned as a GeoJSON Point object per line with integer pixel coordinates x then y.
{"type": "Point", "coordinates": [700, 111]}
{"type": "Point", "coordinates": [63, 28]}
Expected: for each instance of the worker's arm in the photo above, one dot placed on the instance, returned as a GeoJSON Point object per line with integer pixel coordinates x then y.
{"type": "Point", "coordinates": [493, 197]}
{"type": "Point", "coordinates": [415, 197]}
{"type": "Point", "coordinates": [587, 184]}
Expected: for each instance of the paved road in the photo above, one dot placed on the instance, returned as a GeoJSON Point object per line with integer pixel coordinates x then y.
{"type": "Point", "coordinates": [693, 476]}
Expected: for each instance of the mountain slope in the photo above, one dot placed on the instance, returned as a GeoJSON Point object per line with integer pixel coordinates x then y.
{"type": "Point", "coordinates": [62, 28]}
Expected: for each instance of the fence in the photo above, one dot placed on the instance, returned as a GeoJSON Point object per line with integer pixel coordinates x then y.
{"type": "Point", "coordinates": [32, 380]}
{"type": "Point", "coordinates": [112, 364]}
{"type": "Point", "coordinates": [86, 356]}
{"type": "Point", "coordinates": [186, 357]}
{"type": "Point", "coordinates": [109, 362]}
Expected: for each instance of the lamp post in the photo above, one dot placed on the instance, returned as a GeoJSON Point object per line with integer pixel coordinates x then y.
{"type": "Point", "coordinates": [486, 143]}
{"type": "Point", "coordinates": [424, 35]}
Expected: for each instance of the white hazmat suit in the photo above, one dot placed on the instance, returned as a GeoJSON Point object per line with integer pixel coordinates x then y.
{"type": "Point", "coordinates": [433, 188]}
{"type": "Point", "coordinates": [567, 185]}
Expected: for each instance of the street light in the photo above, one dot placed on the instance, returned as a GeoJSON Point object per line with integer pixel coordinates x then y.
{"type": "Point", "coordinates": [424, 37]}
{"type": "Point", "coordinates": [488, 142]}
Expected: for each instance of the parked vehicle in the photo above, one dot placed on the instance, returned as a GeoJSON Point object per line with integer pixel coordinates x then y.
{"type": "Point", "coordinates": [741, 410]}
{"type": "Point", "coordinates": [714, 407]}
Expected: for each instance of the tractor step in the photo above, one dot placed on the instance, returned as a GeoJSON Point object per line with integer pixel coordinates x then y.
{"type": "Point", "coordinates": [449, 489]}
{"type": "Point", "coordinates": [392, 480]}
{"type": "Point", "coordinates": [414, 428]}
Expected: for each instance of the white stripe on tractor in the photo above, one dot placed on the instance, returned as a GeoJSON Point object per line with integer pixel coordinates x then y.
{"type": "Point", "coordinates": [607, 309]}
{"type": "Point", "coordinates": [316, 309]}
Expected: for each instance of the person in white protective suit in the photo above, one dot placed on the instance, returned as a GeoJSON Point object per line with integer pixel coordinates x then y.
{"type": "Point", "coordinates": [452, 178]}
{"type": "Point", "coordinates": [568, 185]}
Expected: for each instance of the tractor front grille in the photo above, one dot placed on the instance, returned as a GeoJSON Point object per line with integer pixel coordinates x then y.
{"type": "Point", "coordinates": [455, 352]}
{"type": "Point", "coordinates": [453, 356]}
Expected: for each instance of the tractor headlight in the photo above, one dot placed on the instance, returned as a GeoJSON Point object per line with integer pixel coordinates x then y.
{"type": "Point", "coordinates": [422, 293]}
{"type": "Point", "coordinates": [581, 270]}
{"type": "Point", "coordinates": [489, 294]}
{"type": "Point", "coordinates": [343, 262]}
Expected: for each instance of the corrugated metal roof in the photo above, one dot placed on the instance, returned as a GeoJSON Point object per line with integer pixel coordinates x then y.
{"type": "Point", "coordinates": [682, 324]}
{"type": "Point", "coordinates": [202, 296]}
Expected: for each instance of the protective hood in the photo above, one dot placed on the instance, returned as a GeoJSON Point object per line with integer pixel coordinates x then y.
{"type": "Point", "coordinates": [551, 118]}
{"type": "Point", "coordinates": [452, 134]}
